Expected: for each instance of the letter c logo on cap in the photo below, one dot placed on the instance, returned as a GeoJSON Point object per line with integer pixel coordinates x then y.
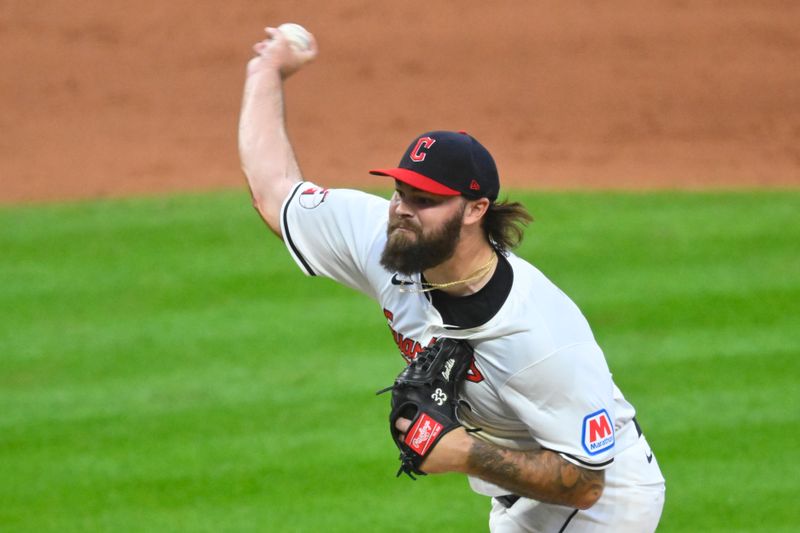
{"type": "Point", "coordinates": [418, 153]}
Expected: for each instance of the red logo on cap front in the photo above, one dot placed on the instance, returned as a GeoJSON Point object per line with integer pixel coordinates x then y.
{"type": "Point", "coordinates": [417, 154]}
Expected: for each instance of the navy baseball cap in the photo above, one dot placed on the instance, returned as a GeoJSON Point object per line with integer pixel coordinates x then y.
{"type": "Point", "coordinates": [448, 163]}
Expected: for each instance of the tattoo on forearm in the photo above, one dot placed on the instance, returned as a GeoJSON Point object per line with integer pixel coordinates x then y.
{"type": "Point", "coordinates": [491, 459]}
{"type": "Point", "coordinates": [538, 474]}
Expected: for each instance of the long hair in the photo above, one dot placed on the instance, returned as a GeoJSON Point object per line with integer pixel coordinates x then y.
{"type": "Point", "coordinates": [504, 224]}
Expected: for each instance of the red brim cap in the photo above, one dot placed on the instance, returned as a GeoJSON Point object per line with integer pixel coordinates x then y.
{"type": "Point", "coordinates": [416, 180]}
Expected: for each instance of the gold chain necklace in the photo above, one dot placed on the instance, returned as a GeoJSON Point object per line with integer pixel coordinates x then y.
{"type": "Point", "coordinates": [427, 286]}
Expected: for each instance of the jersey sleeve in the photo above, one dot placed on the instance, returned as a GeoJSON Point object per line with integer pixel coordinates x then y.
{"type": "Point", "coordinates": [334, 232]}
{"type": "Point", "coordinates": [567, 402]}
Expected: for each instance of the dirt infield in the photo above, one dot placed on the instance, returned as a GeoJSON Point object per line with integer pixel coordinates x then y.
{"type": "Point", "coordinates": [122, 97]}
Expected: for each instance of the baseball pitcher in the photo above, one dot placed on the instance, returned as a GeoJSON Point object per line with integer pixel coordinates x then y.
{"type": "Point", "coordinates": [505, 383]}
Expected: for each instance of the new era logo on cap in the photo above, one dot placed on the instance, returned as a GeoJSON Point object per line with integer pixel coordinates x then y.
{"type": "Point", "coordinates": [447, 163]}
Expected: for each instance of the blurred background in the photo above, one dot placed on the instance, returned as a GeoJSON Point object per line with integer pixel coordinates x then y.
{"type": "Point", "coordinates": [122, 97]}
{"type": "Point", "coordinates": [164, 366]}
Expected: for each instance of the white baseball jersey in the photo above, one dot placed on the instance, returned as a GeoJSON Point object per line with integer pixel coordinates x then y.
{"type": "Point", "coordinates": [538, 379]}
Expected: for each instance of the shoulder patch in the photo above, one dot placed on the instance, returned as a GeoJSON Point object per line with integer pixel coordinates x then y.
{"type": "Point", "coordinates": [598, 432]}
{"type": "Point", "coordinates": [312, 197]}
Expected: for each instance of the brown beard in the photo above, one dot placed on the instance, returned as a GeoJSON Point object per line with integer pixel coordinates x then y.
{"type": "Point", "coordinates": [409, 257]}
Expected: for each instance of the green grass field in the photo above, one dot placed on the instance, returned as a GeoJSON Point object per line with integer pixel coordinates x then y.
{"type": "Point", "coordinates": [164, 366]}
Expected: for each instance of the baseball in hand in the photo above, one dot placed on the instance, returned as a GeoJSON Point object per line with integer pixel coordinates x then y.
{"type": "Point", "coordinates": [299, 38]}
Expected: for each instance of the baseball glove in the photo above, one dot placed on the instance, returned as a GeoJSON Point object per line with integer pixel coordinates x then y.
{"type": "Point", "coordinates": [425, 392]}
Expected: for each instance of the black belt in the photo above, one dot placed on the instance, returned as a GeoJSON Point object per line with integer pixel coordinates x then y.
{"type": "Point", "coordinates": [510, 499]}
